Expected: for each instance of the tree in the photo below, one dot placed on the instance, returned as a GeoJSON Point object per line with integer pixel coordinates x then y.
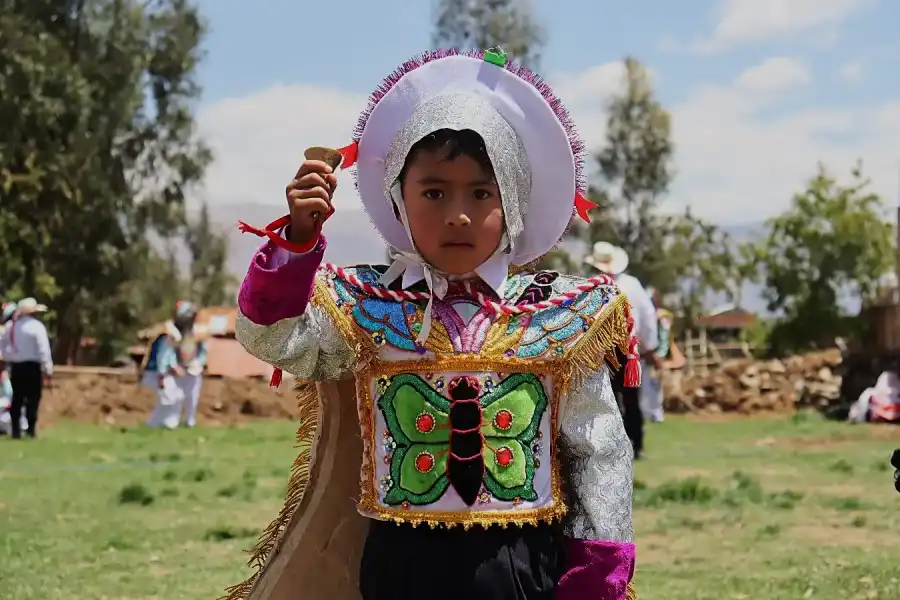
{"type": "Point", "coordinates": [483, 24]}
{"type": "Point", "coordinates": [833, 242]}
{"type": "Point", "coordinates": [97, 146]}
{"type": "Point", "coordinates": [210, 282]}
{"type": "Point", "coordinates": [684, 257]}
{"type": "Point", "coordinates": [635, 170]}
{"type": "Point", "coordinates": [697, 259]}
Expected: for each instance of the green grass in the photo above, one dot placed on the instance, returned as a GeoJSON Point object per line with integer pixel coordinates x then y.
{"type": "Point", "coordinates": [732, 510]}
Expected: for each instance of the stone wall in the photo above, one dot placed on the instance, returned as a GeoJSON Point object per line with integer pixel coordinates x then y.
{"type": "Point", "coordinates": [748, 386]}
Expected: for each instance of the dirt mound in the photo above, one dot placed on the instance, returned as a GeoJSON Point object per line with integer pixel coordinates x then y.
{"type": "Point", "coordinates": [116, 398]}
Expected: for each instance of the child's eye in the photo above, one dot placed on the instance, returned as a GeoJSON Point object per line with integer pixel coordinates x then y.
{"type": "Point", "coordinates": [483, 194]}
{"type": "Point", "coordinates": [433, 194]}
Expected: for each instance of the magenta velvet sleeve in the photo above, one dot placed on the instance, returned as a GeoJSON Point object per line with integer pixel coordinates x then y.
{"type": "Point", "coordinates": [596, 570]}
{"type": "Point", "coordinates": [278, 284]}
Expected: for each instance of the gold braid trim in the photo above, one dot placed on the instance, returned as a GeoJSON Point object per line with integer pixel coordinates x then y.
{"type": "Point", "coordinates": [631, 594]}
{"type": "Point", "coordinates": [607, 333]}
{"type": "Point", "coordinates": [270, 540]}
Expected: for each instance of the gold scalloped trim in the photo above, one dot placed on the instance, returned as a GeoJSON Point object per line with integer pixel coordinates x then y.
{"type": "Point", "coordinates": [271, 539]}
{"type": "Point", "coordinates": [368, 503]}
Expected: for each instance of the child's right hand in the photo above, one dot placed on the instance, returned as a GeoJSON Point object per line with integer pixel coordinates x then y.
{"type": "Point", "coordinates": [309, 199]}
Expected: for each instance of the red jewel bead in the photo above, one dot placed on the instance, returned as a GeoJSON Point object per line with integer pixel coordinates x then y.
{"type": "Point", "coordinates": [504, 457]}
{"type": "Point", "coordinates": [425, 423]}
{"type": "Point", "coordinates": [424, 462]}
{"type": "Point", "coordinates": [503, 420]}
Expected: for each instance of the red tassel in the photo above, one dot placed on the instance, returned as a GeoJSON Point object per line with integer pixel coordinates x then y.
{"type": "Point", "coordinates": [582, 206]}
{"type": "Point", "coordinates": [275, 382]}
{"type": "Point", "coordinates": [633, 365]}
{"type": "Point", "coordinates": [349, 154]}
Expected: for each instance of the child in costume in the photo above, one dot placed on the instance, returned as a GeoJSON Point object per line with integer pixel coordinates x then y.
{"type": "Point", "coordinates": [7, 310]}
{"type": "Point", "coordinates": [173, 367]}
{"type": "Point", "coordinates": [494, 461]}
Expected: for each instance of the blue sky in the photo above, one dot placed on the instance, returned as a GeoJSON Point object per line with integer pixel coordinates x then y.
{"type": "Point", "coordinates": [759, 90]}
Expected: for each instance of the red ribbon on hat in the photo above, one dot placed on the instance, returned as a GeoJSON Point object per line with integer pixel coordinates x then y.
{"type": "Point", "coordinates": [582, 206]}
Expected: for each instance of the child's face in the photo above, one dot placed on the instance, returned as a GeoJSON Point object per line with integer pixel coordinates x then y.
{"type": "Point", "coordinates": [454, 211]}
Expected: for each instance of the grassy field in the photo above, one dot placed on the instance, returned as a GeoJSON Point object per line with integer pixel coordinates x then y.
{"type": "Point", "coordinates": [728, 510]}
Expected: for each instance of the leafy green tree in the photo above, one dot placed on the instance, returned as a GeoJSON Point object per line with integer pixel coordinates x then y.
{"type": "Point", "coordinates": [211, 284]}
{"type": "Point", "coordinates": [833, 243]}
{"type": "Point", "coordinates": [97, 147]}
{"type": "Point", "coordinates": [635, 168]}
{"type": "Point", "coordinates": [483, 24]}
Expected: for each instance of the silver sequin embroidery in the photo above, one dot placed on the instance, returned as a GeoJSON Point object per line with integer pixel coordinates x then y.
{"type": "Point", "coordinates": [597, 463]}
{"type": "Point", "coordinates": [308, 347]}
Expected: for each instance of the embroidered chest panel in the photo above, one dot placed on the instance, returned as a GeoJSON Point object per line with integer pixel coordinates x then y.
{"type": "Point", "coordinates": [563, 311]}
{"type": "Point", "coordinates": [452, 444]}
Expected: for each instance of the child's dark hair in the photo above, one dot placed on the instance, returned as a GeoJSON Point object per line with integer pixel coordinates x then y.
{"type": "Point", "coordinates": [454, 144]}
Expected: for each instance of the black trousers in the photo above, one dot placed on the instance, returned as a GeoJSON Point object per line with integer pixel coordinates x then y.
{"type": "Point", "coordinates": [27, 379]}
{"type": "Point", "coordinates": [402, 562]}
{"type": "Point", "coordinates": [632, 418]}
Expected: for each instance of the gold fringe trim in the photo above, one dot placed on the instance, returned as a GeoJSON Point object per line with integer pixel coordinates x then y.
{"type": "Point", "coordinates": [598, 345]}
{"type": "Point", "coordinates": [270, 540]}
{"type": "Point", "coordinates": [631, 594]}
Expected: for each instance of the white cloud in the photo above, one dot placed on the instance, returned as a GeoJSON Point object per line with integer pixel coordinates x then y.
{"type": "Point", "coordinates": [734, 162]}
{"type": "Point", "coordinates": [258, 141]}
{"type": "Point", "coordinates": [774, 75]}
{"type": "Point", "coordinates": [740, 22]}
{"type": "Point", "coordinates": [851, 72]}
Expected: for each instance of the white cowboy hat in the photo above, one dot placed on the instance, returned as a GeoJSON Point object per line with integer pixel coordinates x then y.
{"type": "Point", "coordinates": [29, 306]}
{"type": "Point", "coordinates": [608, 258]}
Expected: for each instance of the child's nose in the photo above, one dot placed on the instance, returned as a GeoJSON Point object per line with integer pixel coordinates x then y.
{"type": "Point", "coordinates": [458, 219]}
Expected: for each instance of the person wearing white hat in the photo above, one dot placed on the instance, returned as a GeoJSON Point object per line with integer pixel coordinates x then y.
{"type": "Point", "coordinates": [613, 260]}
{"type": "Point", "coordinates": [26, 346]}
{"type": "Point", "coordinates": [482, 387]}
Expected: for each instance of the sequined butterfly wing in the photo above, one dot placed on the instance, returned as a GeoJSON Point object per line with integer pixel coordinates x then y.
{"type": "Point", "coordinates": [512, 415]}
{"type": "Point", "coordinates": [549, 331]}
{"type": "Point", "coordinates": [418, 432]}
{"type": "Point", "coordinates": [386, 321]}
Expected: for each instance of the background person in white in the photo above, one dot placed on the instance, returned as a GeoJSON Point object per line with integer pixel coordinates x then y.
{"type": "Point", "coordinates": [26, 346]}
{"type": "Point", "coordinates": [613, 261]}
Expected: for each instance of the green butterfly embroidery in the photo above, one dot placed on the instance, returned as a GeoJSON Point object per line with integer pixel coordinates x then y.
{"type": "Point", "coordinates": [468, 441]}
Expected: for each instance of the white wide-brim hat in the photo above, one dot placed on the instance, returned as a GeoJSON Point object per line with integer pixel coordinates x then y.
{"type": "Point", "coordinates": [555, 153]}
{"type": "Point", "coordinates": [608, 258]}
{"type": "Point", "coordinates": [29, 306]}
